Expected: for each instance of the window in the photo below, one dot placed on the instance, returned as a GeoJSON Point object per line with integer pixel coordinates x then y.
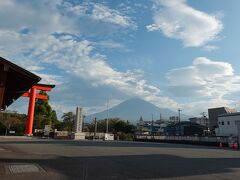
{"type": "Point", "coordinates": [228, 122]}
{"type": "Point", "coordinates": [222, 122]}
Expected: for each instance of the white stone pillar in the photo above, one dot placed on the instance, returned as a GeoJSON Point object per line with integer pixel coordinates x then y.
{"type": "Point", "coordinates": [78, 120]}
{"type": "Point", "coordinates": [78, 124]}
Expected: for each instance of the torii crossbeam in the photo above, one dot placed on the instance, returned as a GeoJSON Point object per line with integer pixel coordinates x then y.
{"type": "Point", "coordinates": [33, 95]}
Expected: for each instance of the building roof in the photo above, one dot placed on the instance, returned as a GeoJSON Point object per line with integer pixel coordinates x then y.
{"type": "Point", "coordinates": [185, 123]}
{"type": "Point", "coordinates": [18, 81]}
{"type": "Point", "coordinates": [227, 109]}
{"type": "Point", "coordinates": [217, 108]}
{"type": "Point", "coordinates": [229, 114]}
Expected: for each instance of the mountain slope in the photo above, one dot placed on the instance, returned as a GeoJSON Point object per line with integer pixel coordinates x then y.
{"type": "Point", "coordinates": [132, 110]}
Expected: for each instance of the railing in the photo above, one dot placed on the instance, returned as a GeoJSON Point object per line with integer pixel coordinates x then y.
{"type": "Point", "coordinates": [187, 138]}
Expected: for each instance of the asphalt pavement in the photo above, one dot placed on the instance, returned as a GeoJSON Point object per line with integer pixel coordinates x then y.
{"type": "Point", "coordinates": [27, 158]}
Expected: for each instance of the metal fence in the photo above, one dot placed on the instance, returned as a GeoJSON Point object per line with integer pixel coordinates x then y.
{"type": "Point", "coordinates": [187, 138]}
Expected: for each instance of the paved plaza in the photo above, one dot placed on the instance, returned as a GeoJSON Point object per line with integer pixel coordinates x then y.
{"type": "Point", "coordinates": [22, 158]}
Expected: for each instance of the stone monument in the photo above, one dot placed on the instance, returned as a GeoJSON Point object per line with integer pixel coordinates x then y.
{"type": "Point", "coordinates": [78, 123]}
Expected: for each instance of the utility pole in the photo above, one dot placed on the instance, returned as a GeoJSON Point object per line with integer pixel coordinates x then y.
{"type": "Point", "coordinates": [107, 115]}
{"type": "Point", "coordinates": [179, 111]}
{"type": "Point", "coordinates": [95, 127]}
{"type": "Point", "coordinates": [204, 119]}
{"type": "Point", "coordinates": [160, 118]}
{"type": "Point", "coordinates": [152, 124]}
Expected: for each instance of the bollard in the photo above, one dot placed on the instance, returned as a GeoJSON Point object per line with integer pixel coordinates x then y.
{"type": "Point", "coordinates": [220, 145]}
{"type": "Point", "coordinates": [235, 146]}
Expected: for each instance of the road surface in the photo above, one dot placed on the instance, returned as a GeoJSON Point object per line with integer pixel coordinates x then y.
{"type": "Point", "coordinates": [22, 158]}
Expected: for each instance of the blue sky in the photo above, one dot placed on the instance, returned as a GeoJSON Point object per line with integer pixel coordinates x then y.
{"type": "Point", "coordinates": [173, 53]}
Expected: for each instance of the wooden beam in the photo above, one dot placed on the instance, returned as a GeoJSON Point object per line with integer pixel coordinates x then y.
{"type": "Point", "coordinates": [39, 96]}
{"type": "Point", "coordinates": [43, 88]}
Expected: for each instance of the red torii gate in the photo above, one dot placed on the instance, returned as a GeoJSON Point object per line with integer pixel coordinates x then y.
{"type": "Point", "coordinates": [33, 95]}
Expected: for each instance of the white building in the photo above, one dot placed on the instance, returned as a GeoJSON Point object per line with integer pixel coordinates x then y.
{"type": "Point", "coordinates": [227, 124]}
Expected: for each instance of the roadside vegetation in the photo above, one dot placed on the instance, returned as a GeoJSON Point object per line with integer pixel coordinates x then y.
{"type": "Point", "coordinates": [12, 123]}
{"type": "Point", "coordinates": [122, 130]}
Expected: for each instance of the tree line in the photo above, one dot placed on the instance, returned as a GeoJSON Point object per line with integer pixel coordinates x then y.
{"type": "Point", "coordinates": [123, 129]}
{"type": "Point", "coordinates": [45, 115]}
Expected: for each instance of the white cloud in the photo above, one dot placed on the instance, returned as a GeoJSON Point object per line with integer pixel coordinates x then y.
{"type": "Point", "coordinates": [204, 77]}
{"type": "Point", "coordinates": [204, 84]}
{"type": "Point", "coordinates": [110, 44]}
{"type": "Point", "coordinates": [197, 107]}
{"type": "Point", "coordinates": [42, 37]}
{"type": "Point", "coordinates": [43, 48]}
{"type": "Point", "coordinates": [75, 58]}
{"type": "Point", "coordinates": [176, 19]}
{"type": "Point", "coordinates": [78, 9]}
{"type": "Point", "coordinates": [101, 13]}
{"type": "Point", "coordinates": [50, 79]}
{"type": "Point", "coordinates": [37, 16]}
{"type": "Point", "coordinates": [45, 38]}
{"type": "Point", "coordinates": [153, 27]}
{"type": "Point", "coordinates": [37, 52]}
{"type": "Point", "coordinates": [47, 17]}
{"type": "Point", "coordinates": [210, 48]}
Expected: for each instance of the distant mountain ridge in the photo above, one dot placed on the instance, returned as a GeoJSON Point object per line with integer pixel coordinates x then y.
{"type": "Point", "coordinates": [132, 110]}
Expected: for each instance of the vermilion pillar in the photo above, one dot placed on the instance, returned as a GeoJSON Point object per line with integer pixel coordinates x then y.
{"type": "Point", "coordinates": [33, 95]}
{"type": "Point", "coordinates": [31, 107]}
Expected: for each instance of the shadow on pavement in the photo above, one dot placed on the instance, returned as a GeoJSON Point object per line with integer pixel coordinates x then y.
{"type": "Point", "coordinates": [133, 167]}
{"type": "Point", "coordinates": [106, 143]}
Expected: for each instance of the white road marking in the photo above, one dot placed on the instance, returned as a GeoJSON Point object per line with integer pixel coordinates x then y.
{"type": "Point", "coordinates": [24, 168]}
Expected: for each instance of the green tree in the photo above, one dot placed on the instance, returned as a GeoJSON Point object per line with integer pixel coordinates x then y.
{"type": "Point", "coordinates": [54, 118]}
{"type": "Point", "coordinates": [68, 120]}
{"type": "Point", "coordinates": [44, 115]}
{"type": "Point", "coordinates": [123, 129]}
{"type": "Point", "coordinates": [12, 121]}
